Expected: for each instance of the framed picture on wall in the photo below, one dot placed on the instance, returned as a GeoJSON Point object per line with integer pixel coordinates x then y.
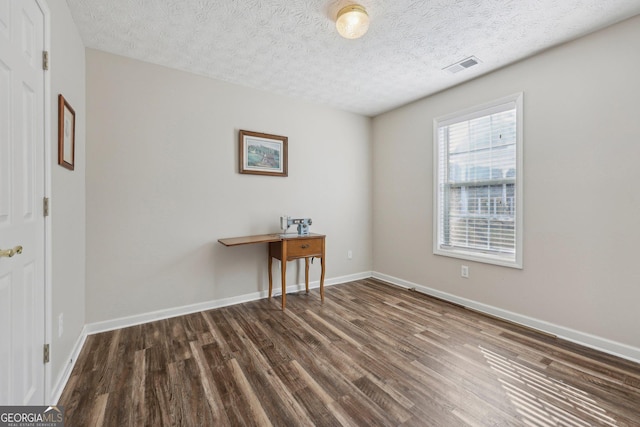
{"type": "Point", "coordinates": [66, 134]}
{"type": "Point", "coordinates": [263, 154]}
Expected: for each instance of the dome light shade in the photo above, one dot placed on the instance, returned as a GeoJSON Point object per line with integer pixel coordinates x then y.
{"type": "Point", "coordinates": [352, 21]}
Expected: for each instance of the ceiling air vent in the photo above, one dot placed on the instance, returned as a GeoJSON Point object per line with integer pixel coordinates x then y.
{"type": "Point", "coordinates": [462, 65]}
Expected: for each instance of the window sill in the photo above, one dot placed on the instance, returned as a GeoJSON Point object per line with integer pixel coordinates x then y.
{"type": "Point", "coordinates": [503, 261]}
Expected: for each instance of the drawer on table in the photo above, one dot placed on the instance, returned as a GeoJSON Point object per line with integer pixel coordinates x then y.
{"type": "Point", "coordinates": [304, 247]}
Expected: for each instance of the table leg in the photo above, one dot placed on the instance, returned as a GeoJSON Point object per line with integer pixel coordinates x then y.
{"type": "Point", "coordinates": [322, 279]}
{"type": "Point", "coordinates": [270, 274]}
{"type": "Point", "coordinates": [284, 282]}
{"type": "Point", "coordinates": [306, 274]}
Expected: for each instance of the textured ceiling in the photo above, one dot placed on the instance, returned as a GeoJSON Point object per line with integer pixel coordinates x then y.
{"type": "Point", "coordinates": [291, 47]}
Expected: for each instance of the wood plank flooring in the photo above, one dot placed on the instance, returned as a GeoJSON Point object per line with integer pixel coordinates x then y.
{"type": "Point", "coordinates": [371, 355]}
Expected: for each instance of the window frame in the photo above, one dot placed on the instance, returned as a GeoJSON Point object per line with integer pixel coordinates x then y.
{"type": "Point", "coordinates": [465, 115]}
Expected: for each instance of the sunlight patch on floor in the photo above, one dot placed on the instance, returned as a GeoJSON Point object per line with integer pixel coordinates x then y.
{"type": "Point", "coordinates": [541, 400]}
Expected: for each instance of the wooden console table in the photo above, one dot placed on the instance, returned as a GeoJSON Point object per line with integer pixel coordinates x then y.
{"type": "Point", "coordinates": [287, 249]}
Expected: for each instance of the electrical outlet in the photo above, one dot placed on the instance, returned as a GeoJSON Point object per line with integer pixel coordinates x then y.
{"type": "Point", "coordinates": [464, 271]}
{"type": "Point", "coordinates": [60, 324]}
{"type": "Point", "coordinates": [349, 254]}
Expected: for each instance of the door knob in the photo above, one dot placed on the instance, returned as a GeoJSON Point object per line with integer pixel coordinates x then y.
{"type": "Point", "coordinates": [10, 252]}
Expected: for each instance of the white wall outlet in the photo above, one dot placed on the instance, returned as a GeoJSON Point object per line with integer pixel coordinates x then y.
{"type": "Point", "coordinates": [60, 324]}
{"type": "Point", "coordinates": [349, 254]}
{"type": "Point", "coordinates": [464, 271]}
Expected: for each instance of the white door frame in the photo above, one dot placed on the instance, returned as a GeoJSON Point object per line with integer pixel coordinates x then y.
{"type": "Point", "coordinates": [48, 307]}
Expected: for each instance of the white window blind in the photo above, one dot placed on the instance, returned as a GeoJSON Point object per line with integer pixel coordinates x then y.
{"type": "Point", "coordinates": [478, 192]}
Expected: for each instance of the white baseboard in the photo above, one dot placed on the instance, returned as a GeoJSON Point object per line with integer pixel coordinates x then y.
{"type": "Point", "coordinates": [597, 343]}
{"type": "Point", "coordinates": [64, 376]}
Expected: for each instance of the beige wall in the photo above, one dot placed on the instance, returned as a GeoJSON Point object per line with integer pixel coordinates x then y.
{"type": "Point", "coordinates": [67, 77]}
{"type": "Point", "coordinates": [581, 171]}
{"type": "Point", "coordinates": [163, 187]}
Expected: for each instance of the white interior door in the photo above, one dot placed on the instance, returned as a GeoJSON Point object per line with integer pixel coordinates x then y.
{"type": "Point", "coordinates": [22, 322]}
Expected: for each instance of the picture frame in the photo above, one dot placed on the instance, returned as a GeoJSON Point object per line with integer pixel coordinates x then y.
{"type": "Point", "coordinates": [66, 134]}
{"type": "Point", "coordinates": [263, 153]}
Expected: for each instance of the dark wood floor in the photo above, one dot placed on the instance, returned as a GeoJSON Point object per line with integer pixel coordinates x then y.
{"type": "Point", "coordinates": [372, 355]}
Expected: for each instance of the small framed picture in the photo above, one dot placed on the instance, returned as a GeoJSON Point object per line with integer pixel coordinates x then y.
{"type": "Point", "coordinates": [263, 154]}
{"type": "Point", "coordinates": [66, 134]}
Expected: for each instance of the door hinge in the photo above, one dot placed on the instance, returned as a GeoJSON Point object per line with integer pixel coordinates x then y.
{"type": "Point", "coordinates": [45, 60]}
{"type": "Point", "coordinates": [46, 353]}
{"type": "Point", "coordinates": [45, 206]}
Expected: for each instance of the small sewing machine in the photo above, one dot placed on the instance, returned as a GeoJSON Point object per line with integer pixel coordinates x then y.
{"type": "Point", "coordinates": [303, 224]}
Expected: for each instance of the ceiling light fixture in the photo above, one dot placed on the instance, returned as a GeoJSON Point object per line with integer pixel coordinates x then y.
{"type": "Point", "coordinates": [352, 21]}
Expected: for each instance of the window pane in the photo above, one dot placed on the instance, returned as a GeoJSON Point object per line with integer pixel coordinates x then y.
{"type": "Point", "coordinates": [476, 176]}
